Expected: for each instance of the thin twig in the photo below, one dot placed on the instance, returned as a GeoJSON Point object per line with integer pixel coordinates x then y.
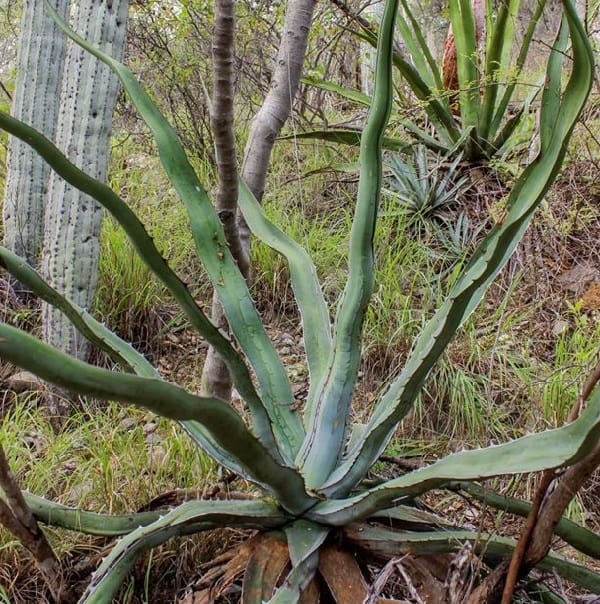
{"type": "Point", "coordinates": [547, 508]}
{"type": "Point", "coordinates": [5, 90]}
{"type": "Point", "coordinates": [16, 516]}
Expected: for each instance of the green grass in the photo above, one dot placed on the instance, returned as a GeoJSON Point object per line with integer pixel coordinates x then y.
{"type": "Point", "coordinates": [109, 459]}
{"type": "Point", "coordinates": [576, 354]}
{"type": "Point", "coordinates": [129, 299]}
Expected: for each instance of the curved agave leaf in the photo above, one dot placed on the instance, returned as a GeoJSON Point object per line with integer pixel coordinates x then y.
{"type": "Point", "coordinates": [502, 106]}
{"type": "Point", "coordinates": [151, 256]}
{"type": "Point", "coordinates": [189, 518]}
{"type": "Point", "coordinates": [82, 521]}
{"type": "Point", "coordinates": [485, 264]}
{"type": "Point", "coordinates": [305, 283]}
{"type": "Point", "coordinates": [347, 136]}
{"type": "Point", "coordinates": [552, 89]}
{"type": "Point", "coordinates": [214, 253]}
{"type": "Point", "coordinates": [304, 540]}
{"type": "Point", "coordinates": [437, 110]}
{"type": "Point", "coordinates": [418, 48]}
{"type": "Point", "coordinates": [388, 543]}
{"type": "Point", "coordinates": [219, 418]}
{"type": "Point", "coordinates": [119, 351]}
{"type": "Point", "coordinates": [347, 93]}
{"type": "Point", "coordinates": [328, 410]}
{"type": "Point", "coordinates": [550, 449]}
{"type": "Point", "coordinates": [497, 57]}
{"type": "Point", "coordinates": [582, 539]}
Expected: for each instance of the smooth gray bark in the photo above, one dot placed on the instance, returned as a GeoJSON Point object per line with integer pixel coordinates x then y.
{"type": "Point", "coordinates": [73, 220]}
{"type": "Point", "coordinates": [277, 105]}
{"type": "Point", "coordinates": [40, 59]}
{"type": "Point", "coordinates": [368, 55]}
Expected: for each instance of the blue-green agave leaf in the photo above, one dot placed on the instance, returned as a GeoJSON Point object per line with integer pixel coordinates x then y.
{"type": "Point", "coordinates": [389, 543]}
{"type": "Point", "coordinates": [225, 426]}
{"type": "Point", "coordinates": [82, 521]}
{"type": "Point", "coordinates": [189, 518]}
{"type": "Point", "coordinates": [305, 283]}
{"type": "Point", "coordinates": [304, 540]}
{"type": "Point", "coordinates": [151, 256]}
{"type": "Point", "coordinates": [556, 448]}
{"type": "Point", "coordinates": [328, 410]}
{"type": "Point", "coordinates": [485, 264]}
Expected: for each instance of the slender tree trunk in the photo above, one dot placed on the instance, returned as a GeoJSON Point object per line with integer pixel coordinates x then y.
{"type": "Point", "coordinates": [72, 220]}
{"type": "Point", "coordinates": [40, 59]}
{"type": "Point", "coordinates": [368, 54]}
{"type": "Point", "coordinates": [215, 379]}
{"type": "Point", "coordinates": [277, 105]}
{"type": "Point", "coordinates": [264, 130]}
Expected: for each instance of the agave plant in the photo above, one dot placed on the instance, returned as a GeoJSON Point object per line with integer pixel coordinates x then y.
{"type": "Point", "coordinates": [422, 187]}
{"type": "Point", "coordinates": [469, 98]}
{"type": "Point", "coordinates": [310, 464]}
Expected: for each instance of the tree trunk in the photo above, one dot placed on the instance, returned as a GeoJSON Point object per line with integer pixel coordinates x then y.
{"type": "Point", "coordinates": [215, 377]}
{"type": "Point", "coordinates": [368, 55]}
{"type": "Point", "coordinates": [72, 220]}
{"type": "Point", "coordinates": [40, 59]}
{"type": "Point", "coordinates": [264, 130]}
{"type": "Point", "coordinates": [277, 105]}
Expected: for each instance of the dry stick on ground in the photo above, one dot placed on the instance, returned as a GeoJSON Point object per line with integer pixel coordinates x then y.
{"type": "Point", "coordinates": [17, 518]}
{"type": "Point", "coordinates": [548, 508]}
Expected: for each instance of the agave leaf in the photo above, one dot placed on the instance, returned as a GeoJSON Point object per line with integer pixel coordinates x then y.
{"type": "Point", "coordinates": [387, 543]}
{"type": "Point", "coordinates": [581, 538]}
{"type": "Point", "coordinates": [502, 106]}
{"type": "Point", "coordinates": [328, 410]}
{"type": "Point", "coordinates": [410, 518]}
{"type": "Point", "coordinates": [497, 59]}
{"type": "Point", "coordinates": [425, 138]}
{"type": "Point", "coordinates": [552, 88]}
{"type": "Point", "coordinates": [119, 351]}
{"type": "Point", "coordinates": [347, 93]}
{"type": "Point", "coordinates": [305, 283]}
{"type": "Point", "coordinates": [90, 523]}
{"type": "Point", "coordinates": [556, 448]}
{"type": "Point", "coordinates": [189, 518]}
{"type": "Point", "coordinates": [304, 540]}
{"type": "Point", "coordinates": [151, 256]}
{"type": "Point", "coordinates": [485, 264]}
{"type": "Point", "coordinates": [418, 47]}
{"type": "Point", "coordinates": [437, 110]}
{"type": "Point", "coordinates": [346, 136]}
{"type": "Point", "coordinates": [465, 40]}
{"type": "Point", "coordinates": [214, 253]}
{"type": "Point", "coordinates": [219, 418]}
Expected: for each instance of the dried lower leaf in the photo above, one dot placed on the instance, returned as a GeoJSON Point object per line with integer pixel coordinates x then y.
{"type": "Point", "coordinates": [343, 576]}
{"type": "Point", "coordinates": [265, 568]}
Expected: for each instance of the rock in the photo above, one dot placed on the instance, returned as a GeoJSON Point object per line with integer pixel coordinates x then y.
{"type": "Point", "coordinates": [24, 381]}
{"type": "Point", "coordinates": [576, 278]}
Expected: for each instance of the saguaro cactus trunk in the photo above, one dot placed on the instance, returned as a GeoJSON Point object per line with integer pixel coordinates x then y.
{"type": "Point", "coordinates": [40, 59]}
{"type": "Point", "coordinates": [72, 220]}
